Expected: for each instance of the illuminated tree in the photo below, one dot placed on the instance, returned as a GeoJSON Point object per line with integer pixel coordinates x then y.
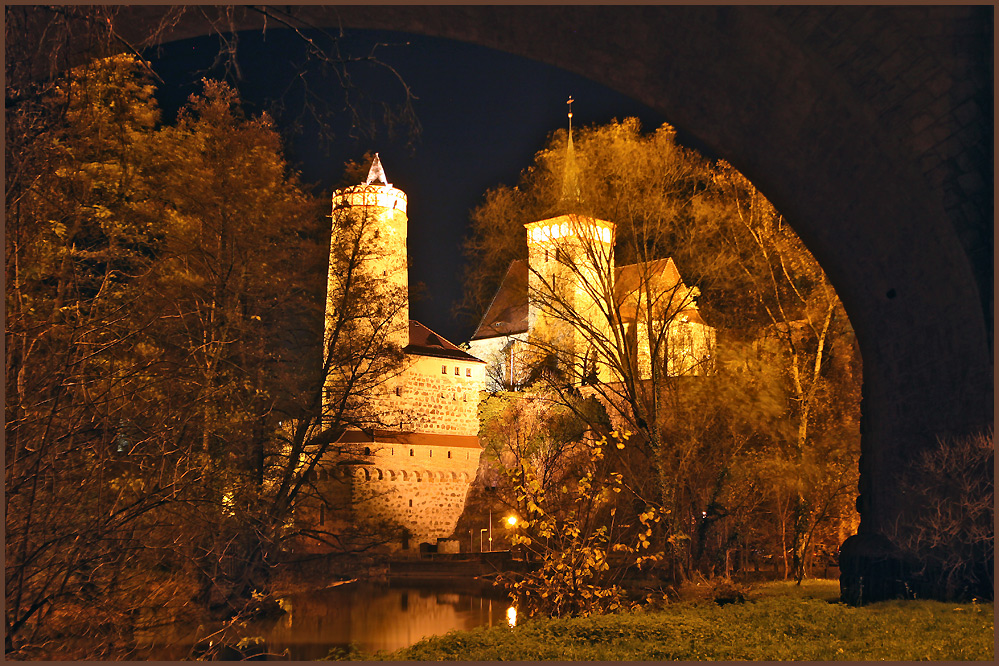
{"type": "Point", "coordinates": [711, 428]}
{"type": "Point", "coordinates": [164, 360]}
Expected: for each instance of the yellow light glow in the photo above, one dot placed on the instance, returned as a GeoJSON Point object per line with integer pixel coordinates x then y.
{"type": "Point", "coordinates": [511, 616]}
{"type": "Point", "coordinates": [511, 520]}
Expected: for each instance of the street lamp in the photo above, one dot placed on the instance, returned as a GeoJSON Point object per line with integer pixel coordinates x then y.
{"type": "Point", "coordinates": [511, 523]}
{"type": "Point", "coordinates": [481, 532]}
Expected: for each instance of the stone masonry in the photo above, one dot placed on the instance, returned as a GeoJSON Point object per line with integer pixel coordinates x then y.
{"type": "Point", "coordinates": [409, 476]}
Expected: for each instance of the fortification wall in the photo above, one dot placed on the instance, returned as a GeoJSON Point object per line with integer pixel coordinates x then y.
{"type": "Point", "coordinates": [419, 487]}
{"type": "Point", "coordinates": [435, 396]}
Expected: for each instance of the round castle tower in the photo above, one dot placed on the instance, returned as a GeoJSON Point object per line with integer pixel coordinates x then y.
{"type": "Point", "coordinates": [380, 210]}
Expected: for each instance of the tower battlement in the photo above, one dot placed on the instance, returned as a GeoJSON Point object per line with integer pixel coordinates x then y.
{"type": "Point", "coordinates": [381, 196]}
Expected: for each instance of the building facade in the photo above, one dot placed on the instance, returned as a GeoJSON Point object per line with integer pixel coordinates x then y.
{"type": "Point", "coordinates": [571, 299]}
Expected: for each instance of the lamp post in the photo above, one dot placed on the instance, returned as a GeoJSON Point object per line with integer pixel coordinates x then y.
{"type": "Point", "coordinates": [481, 532]}
{"type": "Point", "coordinates": [490, 530]}
{"type": "Point", "coordinates": [511, 523]}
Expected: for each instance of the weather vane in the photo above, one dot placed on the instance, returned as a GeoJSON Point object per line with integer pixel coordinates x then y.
{"type": "Point", "coordinates": [570, 112]}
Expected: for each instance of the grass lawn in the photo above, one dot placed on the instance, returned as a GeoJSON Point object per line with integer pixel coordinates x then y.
{"type": "Point", "coordinates": [780, 621]}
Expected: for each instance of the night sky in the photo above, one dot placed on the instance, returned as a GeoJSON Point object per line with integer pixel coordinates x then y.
{"type": "Point", "coordinates": [483, 113]}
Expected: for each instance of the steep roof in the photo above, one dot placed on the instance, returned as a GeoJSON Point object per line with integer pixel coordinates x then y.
{"type": "Point", "coordinates": [376, 174]}
{"type": "Point", "coordinates": [507, 314]}
{"type": "Point", "coordinates": [661, 273]}
{"type": "Point", "coordinates": [424, 342]}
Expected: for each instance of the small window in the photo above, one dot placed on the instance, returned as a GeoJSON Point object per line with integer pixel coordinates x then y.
{"type": "Point", "coordinates": [468, 372]}
{"type": "Point", "coordinates": [448, 454]}
{"type": "Point", "coordinates": [367, 450]}
{"type": "Point", "coordinates": [443, 369]}
{"type": "Point", "coordinates": [410, 502]}
{"type": "Point", "coordinates": [431, 453]}
{"type": "Point", "coordinates": [398, 390]}
{"type": "Point", "coordinates": [457, 370]}
{"type": "Point", "coordinates": [322, 514]}
{"type": "Point", "coordinates": [411, 452]}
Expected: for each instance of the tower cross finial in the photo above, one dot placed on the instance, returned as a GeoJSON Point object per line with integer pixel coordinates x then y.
{"type": "Point", "coordinates": [570, 114]}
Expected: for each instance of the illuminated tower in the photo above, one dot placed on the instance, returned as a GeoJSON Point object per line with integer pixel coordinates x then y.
{"type": "Point", "coordinates": [372, 215]}
{"type": "Point", "coordinates": [571, 269]}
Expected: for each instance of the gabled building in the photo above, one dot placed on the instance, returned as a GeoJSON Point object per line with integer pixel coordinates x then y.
{"type": "Point", "coordinates": [565, 296]}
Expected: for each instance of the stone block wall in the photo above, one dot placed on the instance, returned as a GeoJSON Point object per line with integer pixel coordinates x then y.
{"type": "Point", "coordinates": [435, 396]}
{"type": "Point", "coordinates": [420, 487]}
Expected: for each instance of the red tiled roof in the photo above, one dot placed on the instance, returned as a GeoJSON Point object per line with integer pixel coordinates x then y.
{"type": "Point", "coordinates": [406, 438]}
{"type": "Point", "coordinates": [507, 314]}
{"type": "Point", "coordinates": [424, 342]}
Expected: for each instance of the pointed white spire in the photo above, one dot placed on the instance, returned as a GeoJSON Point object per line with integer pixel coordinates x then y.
{"type": "Point", "coordinates": [376, 173]}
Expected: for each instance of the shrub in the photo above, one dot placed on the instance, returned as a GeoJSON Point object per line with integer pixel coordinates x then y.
{"type": "Point", "coordinates": [950, 544]}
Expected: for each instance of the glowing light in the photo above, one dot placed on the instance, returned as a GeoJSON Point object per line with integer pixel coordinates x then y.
{"type": "Point", "coordinates": [511, 520]}
{"type": "Point", "coordinates": [564, 229]}
{"type": "Point", "coordinates": [511, 616]}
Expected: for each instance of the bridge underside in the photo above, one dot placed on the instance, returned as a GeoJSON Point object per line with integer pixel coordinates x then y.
{"type": "Point", "coordinates": [870, 128]}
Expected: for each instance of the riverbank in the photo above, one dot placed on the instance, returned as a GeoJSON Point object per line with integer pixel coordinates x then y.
{"type": "Point", "coordinates": [779, 621]}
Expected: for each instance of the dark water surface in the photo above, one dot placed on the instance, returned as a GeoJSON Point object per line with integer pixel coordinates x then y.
{"type": "Point", "coordinates": [368, 616]}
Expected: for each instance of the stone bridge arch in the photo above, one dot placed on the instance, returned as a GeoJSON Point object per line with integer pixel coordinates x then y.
{"type": "Point", "coordinates": [870, 128]}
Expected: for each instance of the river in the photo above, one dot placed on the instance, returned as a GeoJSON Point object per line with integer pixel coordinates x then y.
{"type": "Point", "coordinates": [368, 616]}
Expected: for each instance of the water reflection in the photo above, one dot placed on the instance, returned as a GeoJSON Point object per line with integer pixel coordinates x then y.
{"type": "Point", "coordinates": [375, 617]}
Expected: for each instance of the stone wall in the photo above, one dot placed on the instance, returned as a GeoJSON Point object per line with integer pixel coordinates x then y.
{"type": "Point", "coordinates": [420, 487]}
{"type": "Point", "coordinates": [434, 396]}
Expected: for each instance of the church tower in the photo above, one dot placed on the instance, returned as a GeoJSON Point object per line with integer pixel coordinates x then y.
{"type": "Point", "coordinates": [373, 215]}
{"type": "Point", "coordinates": [571, 268]}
